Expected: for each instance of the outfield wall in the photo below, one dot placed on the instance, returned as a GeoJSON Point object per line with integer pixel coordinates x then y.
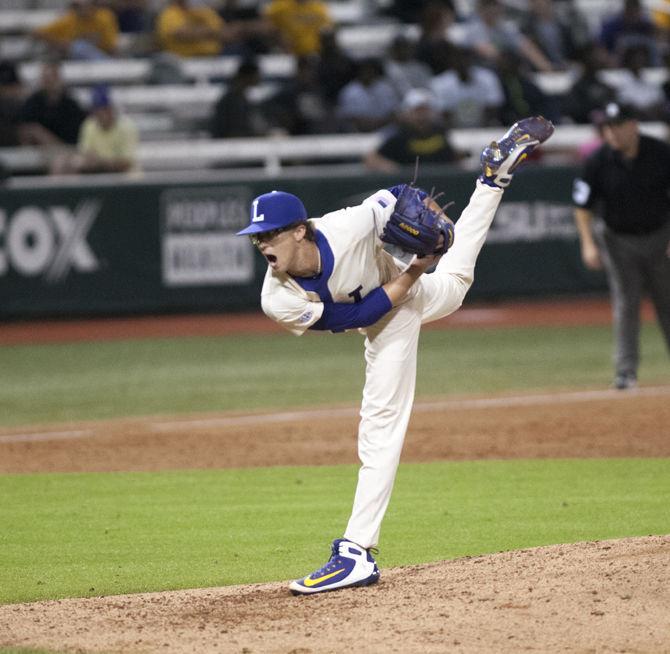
{"type": "Point", "coordinates": [166, 246]}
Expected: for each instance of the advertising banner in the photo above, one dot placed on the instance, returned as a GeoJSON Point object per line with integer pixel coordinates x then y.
{"type": "Point", "coordinates": [142, 248]}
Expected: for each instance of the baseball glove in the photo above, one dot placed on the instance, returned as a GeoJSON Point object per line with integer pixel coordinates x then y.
{"type": "Point", "coordinates": [417, 223]}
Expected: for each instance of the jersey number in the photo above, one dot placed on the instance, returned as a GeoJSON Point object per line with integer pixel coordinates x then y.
{"type": "Point", "coordinates": [356, 294]}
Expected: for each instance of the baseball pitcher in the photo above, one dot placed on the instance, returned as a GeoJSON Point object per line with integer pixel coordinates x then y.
{"type": "Point", "coordinates": [333, 273]}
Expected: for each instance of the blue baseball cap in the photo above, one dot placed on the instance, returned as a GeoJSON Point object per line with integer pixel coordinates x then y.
{"type": "Point", "coordinates": [274, 210]}
{"type": "Point", "coordinates": [100, 97]}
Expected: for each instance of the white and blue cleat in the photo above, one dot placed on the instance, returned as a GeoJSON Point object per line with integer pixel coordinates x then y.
{"type": "Point", "coordinates": [349, 565]}
{"type": "Point", "coordinates": [501, 159]}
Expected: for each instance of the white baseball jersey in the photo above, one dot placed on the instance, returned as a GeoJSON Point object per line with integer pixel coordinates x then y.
{"type": "Point", "coordinates": [353, 263]}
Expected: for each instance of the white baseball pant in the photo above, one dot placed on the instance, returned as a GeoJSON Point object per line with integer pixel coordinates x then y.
{"type": "Point", "coordinates": [391, 354]}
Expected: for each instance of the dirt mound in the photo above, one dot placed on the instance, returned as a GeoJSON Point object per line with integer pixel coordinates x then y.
{"type": "Point", "coordinates": [603, 596]}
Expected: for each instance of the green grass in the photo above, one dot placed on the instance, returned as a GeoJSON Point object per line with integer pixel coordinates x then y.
{"type": "Point", "coordinates": [98, 534]}
{"type": "Point", "coordinates": [83, 381]}
{"type": "Point", "coordinates": [95, 534]}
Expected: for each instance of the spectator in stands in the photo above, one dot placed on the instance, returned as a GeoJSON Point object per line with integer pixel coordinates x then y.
{"type": "Point", "coordinates": [403, 69]}
{"type": "Point", "coordinates": [411, 12]}
{"type": "Point", "coordinates": [660, 15]}
{"type": "Point", "coordinates": [420, 132]}
{"type": "Point", "coordinates": [233, 11]}
{"type": "Point", "coordinates": [335, 68]}
{"type": "Point", "coordinates": [630, 27]}
{"type": "Point", "coordinates": [644, 96]}
{"type": "Point", "coordinates": [253, 33]}
{"type": "Point", "coordinates": [188, 28]}
{"type": "Point", "coordinates": [468, 95]}
{"type": "Point", "coordinates": [435, 20]}
{"type": "Point", "coordinates": [369, 101]}
{"type": "Point", "coordinates": [298, 24]}
{"type": "Point", "coordinates": [107, 141]}
{"type": "Point", "coordinates": [589, 93]}
{"type": "Point", "coordinates": [568, 13]}
{"type": "Point", "coordinates": [11, 99]}
{"type": "Point", "coordinates": [131, 15]}
{"type": "Point", "coordinates": [300, 107]}
{"type": "Point", "coordinates": [234, 114]}
{"type": "Point", "coordinates": [489, 34]}
{"type": "Point", "coordinates": [84, 31]}
{"type": "Point", "coordinates": [523, 97]}
{"type": "Point", "coordinates": [545, 29]}
{"type": "Point", "coordinates": [50, 116]}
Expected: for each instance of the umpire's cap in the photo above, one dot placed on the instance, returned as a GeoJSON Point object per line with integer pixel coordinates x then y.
{"type": "Point", "coordinates": [614, 113]}
{"type": "Point", "coordinates": [274, 210]}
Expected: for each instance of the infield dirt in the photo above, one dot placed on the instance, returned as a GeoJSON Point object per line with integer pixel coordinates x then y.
{"type": "Point", "coordinates": [608, 596]}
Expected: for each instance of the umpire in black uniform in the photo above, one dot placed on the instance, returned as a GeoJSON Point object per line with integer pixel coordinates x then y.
{"type": "Point", "coordinates": [626, 183]}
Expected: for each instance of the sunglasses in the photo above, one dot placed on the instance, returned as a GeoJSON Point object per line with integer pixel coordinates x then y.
{"type": "Point", "coordinates": [264, 237]}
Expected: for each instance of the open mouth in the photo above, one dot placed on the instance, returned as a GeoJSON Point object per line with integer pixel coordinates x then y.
{"type": "Point", "coordinates": [271, 258]}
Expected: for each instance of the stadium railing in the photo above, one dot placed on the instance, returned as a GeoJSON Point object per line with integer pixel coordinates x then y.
{"type": "Point", "coordinates": [271, 154]}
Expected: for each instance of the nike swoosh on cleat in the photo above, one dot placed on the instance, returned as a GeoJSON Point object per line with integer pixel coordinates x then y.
{"type": "Point", "coordinates": [518, 162]}
{"type": "Point", "coordinates": [309, 582]}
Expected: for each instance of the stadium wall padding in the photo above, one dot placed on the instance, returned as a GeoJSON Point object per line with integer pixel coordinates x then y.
{"type": "Point", "coordinates": [141, 247]}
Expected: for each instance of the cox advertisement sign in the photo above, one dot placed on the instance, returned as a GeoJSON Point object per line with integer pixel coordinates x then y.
{"type": "Point", "coordinates": [125, 249]}
{"type": "Point", "coordinates": [49, 241]}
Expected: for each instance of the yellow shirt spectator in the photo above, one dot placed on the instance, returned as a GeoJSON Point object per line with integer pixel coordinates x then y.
{"type": "Point", "coordinates": [660, 13]}
{"type": "Point", "coordinates": [117, 142]}
{"type": "Point", "coordinates": [189, 31]}
{"type": "Point", "coordinates": [83, 22]}
{"type": "Point", "coordinates": [300, 23]}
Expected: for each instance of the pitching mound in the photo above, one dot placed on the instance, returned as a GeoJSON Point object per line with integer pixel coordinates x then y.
{"type": "Point", "coordinates": [605, 596]}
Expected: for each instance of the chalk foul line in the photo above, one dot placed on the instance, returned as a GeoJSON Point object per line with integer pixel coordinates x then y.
{"type": "Point", "coordinates": [158, 425]}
